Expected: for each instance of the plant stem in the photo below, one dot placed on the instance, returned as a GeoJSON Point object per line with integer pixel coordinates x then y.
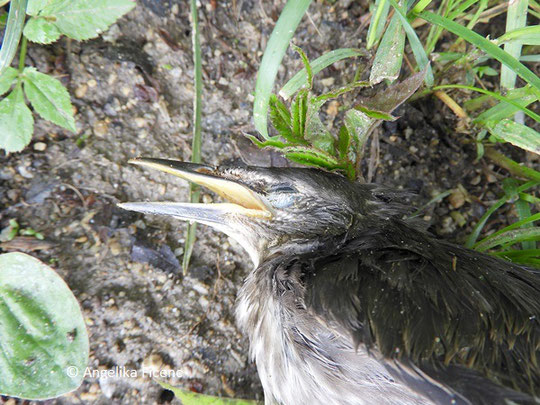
{"type": "Point", "coordinates": [513, 167]}
{"type": "Point", "coordinates": [196, 143]}
{"type": "Point", "coordinates": [22, 54]}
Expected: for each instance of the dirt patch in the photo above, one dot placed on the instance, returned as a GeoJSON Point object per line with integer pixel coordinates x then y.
{"type": "Point", "coordinates": [133, 93]}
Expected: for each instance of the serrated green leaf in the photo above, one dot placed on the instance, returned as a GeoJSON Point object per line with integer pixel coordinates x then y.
{"type": "Point", "coordinates": [44, 340]}
{"type": "Point", "coordinates": [517, 134]}
{"type": "Point", "coordinates": [41, 31]}
{"type": "Point", "coordinates": [35, 6]}
{"type": "Point", "coordinates": [323, 98]}
{"type": "Point", "coordinates": [300, 79]}
{"type": "Point", "coordinates": [307, 66]}
{"type": "Point", "coordinates": [379, 115]}
{"type": "Point", "coordinates": [85, 19]}
{"type": "Point", "coordinates": [299, 112]}
{"type": "Point", "coordinates": [316, 132]}
{"type": "Point", "coordinates": [16, 122]}
{"type": "Point", "coordinates": [7, 78]}
{"type": "Point", "coordinates": [281, 120]}
{"type": "Point", "coordinates": [389, 56]}
{"type": "Point", "coordinates": [273, 142]}
{"type": "Point", "coordinates": [49, 98]}
{"type": "Point", "coordinates": [192, 398]}
{"type": "Point", "coordinates": [309, 156]}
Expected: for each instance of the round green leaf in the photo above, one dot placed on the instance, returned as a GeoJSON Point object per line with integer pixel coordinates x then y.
{"type": "Point", "coordinates": [41, 31]}
{"type": "Point", "coordinates": [43, 339]}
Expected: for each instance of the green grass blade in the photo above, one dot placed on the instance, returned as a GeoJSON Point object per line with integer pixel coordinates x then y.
{"type": "Point", "coordinates": [12, 36]}
{"type": "Point", "coordinates": [526, 36]}
{"type": "Point", "coordinates": [196, 142]}
{"type": "Point", "coordinates": [513, 167]}
{"type": "Point", "coordinates": [524, 212]}
{"type": "Point", "coordinates": [497, 96]}
{"type": "Point", "coordinates": [486, 45]}
{"type": "Point", "coordinates": [389, 56]}
{"type": "Point", "coordinates": [516, 18]}
{"type": "Point", "coordinates": [300, 79]}
{"type": "Point", "coordinates": [416, 45]}
{"type": "Point", "coordinates": [482, 222]}
{"type": "Point", "coordinates": [517, 134]}
{"type": "Point", "coordinates": [510, 238]}
{"type": "Point", "coordinates": [376, 25]}
{"type": "Point", "coordinates": [273, 54]}
{"type": "Point", "coordinates": [529, 220]}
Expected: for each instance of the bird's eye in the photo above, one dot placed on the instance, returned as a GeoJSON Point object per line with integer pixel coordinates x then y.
{"type": "Point", "coordinates": [282, 189]}
{"type": "Point", "coordinates": [281, 195]}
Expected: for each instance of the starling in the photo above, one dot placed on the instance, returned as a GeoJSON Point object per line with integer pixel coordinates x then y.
{"type": "Point", "coordinates": [351, 303]}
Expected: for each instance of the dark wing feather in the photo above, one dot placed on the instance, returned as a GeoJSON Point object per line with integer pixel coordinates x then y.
{"type": "Point", "coordinates": [432, 302]}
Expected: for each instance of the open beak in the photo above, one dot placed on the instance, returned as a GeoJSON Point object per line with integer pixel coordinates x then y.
{"type": "Point", "coordinates": [242, 200]}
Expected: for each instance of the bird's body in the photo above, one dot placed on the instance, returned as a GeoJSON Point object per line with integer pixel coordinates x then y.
{"type": "Point", "coordinates": [349, 303]}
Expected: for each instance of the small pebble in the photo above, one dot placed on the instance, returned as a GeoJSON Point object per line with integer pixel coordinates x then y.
{"type": "Point", "coordinates": [80, 91]}
{"type": "Point", "coordinates": [456, 199]}
{"type": "Point", "coordinates": [100, 128]}
{"type": "Point", "coordinates": [91, 83]}
{"type": "Point", "coordinates": [40, 146]}
{"type": "Point", "coordinates": [328, 81]}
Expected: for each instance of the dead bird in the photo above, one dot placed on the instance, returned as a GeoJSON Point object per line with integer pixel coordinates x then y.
{"type": "Point", "coordinates": [349, 303]}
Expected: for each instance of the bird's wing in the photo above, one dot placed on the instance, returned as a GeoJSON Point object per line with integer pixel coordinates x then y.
{"type": "Point", "coordinates": [431, 302]}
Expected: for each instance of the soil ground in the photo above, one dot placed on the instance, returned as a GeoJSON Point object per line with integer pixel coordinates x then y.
{"type": "Point", "coordinates": [133, 92]}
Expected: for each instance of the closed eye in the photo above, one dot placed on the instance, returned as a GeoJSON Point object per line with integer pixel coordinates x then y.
{"type": "Point", "coordinates": [282, 189]}
{"type": "Point", "coordinates": [281, 195]}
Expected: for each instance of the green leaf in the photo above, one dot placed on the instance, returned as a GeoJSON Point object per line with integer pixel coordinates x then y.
{"type": "Point", "coordinates": [192, 398]}
{"type": "Point", "coordinates": [299, 113]}
{"type": "Point", "coordinates": [509, 238]}
{"type": "Point", "coordinates": [49, 98]}
{"type": "Point", "coordinates": [273, 54]}
{"type": "Point", "coordinates": [497, 96]}
{"type": "Point", "coordinates": [389, 56]}
{"type": "Point", "coordinates": [307, 66]}
{"type": "Point", "coordinates": [516, 18]}
{"type": "Point", "coordinates": [85, 19]}
{"type": "Point", "coordinates": [281, 120]}
{"type": "Point", "coordinates": [7, 78]}
{"type": "Point", "coordinates": [522, 97]}
{"type": "Point", "coordinates": [311, 157]}
{"type": "Point", "coordinates": [416, 46]}
{"type": "Point", "coordinates": [471, 239]}
{"type": "Point", "coordinates": [380, 115]}
{"type": "Point", "coordinates": [16, 122]}
{"type": "Point", "coordinates": [300, 79]}
{"type": "Point", "coordinates": [35, 6]}
{"type": "Point", "coordinates": [44, 340]}
{"type": "Point", "coordinates": [376, 25]}
{"type": "Point", "coordinates": [526, 35]}
{"type": "Point", "coordinates": [486, 45]}
{"type": "Point", "coordinates": [316, 132]}
{"type": "Point", "coordinates": [12, 34]}
{"type": "Point", "coordinates": [273, 142]}
{"type": "Point", "coordinates": [344, 142]}
{"type": "Point", "coordinates": [388, 100]}
{"type": "Point", "coordinates": [358, 125]}
{"type": "Point", "coordinates": [517, 134]}
{"type": "Point", "coordinates": [41, 31]}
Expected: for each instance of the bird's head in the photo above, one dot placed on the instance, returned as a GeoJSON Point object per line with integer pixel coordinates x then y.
{"type": "Point", "coordinates": [265, 208]}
